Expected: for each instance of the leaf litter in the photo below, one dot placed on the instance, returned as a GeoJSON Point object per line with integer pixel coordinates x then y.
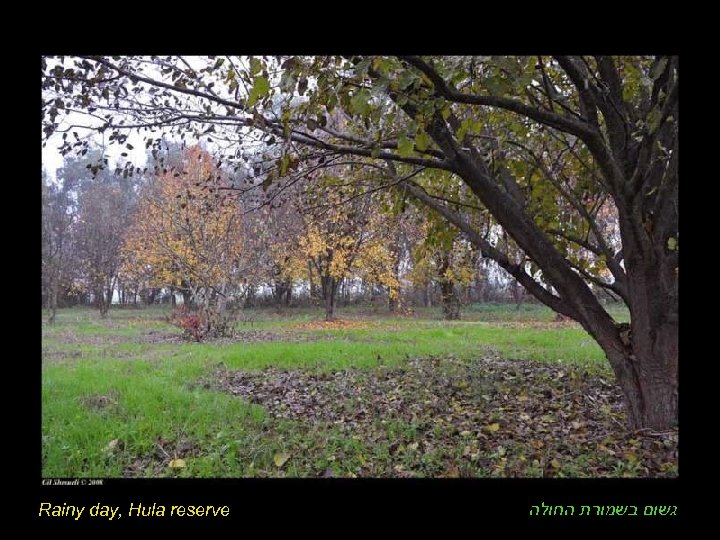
{"type": "Point", "coordinates": [448, 418]}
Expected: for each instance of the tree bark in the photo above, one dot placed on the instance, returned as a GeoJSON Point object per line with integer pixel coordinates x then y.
{"type": "Point", "coordinates": [53, 304]}
{"type": "Point", "coordinates": [646, 370]}
{"type": "Point", "coordinates": [329, 290]}
{"type": "Point", "coordinates": [517, 294]}
{"type": "Point", "coordinates": [101, 300]}
{"type": "Point", "coordinates": [249, 296]}
{"type": "Point", "coordinates": [448, 294]}
{"type": "Point", "coordinates": [313, 286]}
{"type": "Point", "coordinates": [450, 300]}
{"type": "Point", "coordinates": [288, 294]}
{"type": "Point", "coordinates": [393, 303]}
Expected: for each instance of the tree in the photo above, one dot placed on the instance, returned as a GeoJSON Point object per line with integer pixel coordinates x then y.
{"type": "Point", "coordinates": [105, 204]}
{"type": "Point", "coordinates": [57, 221]}
{"type": "Point", "coordinates": [341, 237]}
{"type": "Point", "coordinates": [444, 257]}
{"type": "Point", "coordinates": [187, 234]}
{"type": "Point", "coordinates": [587, 131]}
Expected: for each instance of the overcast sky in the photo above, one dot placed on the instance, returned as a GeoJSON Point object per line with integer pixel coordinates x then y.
{"type": "Point", "coordinates": [52, 160]}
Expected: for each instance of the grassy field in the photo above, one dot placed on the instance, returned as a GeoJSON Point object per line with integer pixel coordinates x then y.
{"type": "Point", "coordinates": [500, 393]}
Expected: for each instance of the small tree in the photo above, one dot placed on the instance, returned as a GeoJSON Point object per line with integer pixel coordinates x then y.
{"type": "Point", "coordinates": [187, 234]}
{"type": "Point", "coordinates": [58, 220]}
{"type": "Point", "coordinates": [341, 238]}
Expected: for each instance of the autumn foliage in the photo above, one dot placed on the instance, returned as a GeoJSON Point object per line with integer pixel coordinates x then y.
{"type": "Point", "coordinates": [187, 236]}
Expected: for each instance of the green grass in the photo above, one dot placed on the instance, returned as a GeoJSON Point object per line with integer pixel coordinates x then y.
{"type": "Point", "coordinates": [103, 381]}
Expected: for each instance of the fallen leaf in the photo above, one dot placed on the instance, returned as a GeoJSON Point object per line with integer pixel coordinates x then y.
{"type": "Point", "coordinates": [555, 463]}
{"type": "Point", "coordinates": [280, 459]}
{"type": "Point", "coordinates": [112, 445]}
{"type": "Point", "coordinates": [493, 427]}
{"type": "Point", "coordinates": [630, 456]}
{"type": "Point", "coordinates": [452, 473]}
{"type": "Point", "coordinates": [177, 463]}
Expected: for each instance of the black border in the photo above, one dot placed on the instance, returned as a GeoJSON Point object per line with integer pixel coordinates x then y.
{"type": "Point", "coordinates": [362, 505]}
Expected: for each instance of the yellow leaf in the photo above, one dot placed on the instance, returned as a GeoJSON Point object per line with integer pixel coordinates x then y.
{"type": "Point", "coordinates": [493, 427]}
{"type": "Point", "coordinates": [280, 459]}
{"type": "Point", "coordinates": [177, 463]}
{"type": "Point", "coordinates": [555, 463]}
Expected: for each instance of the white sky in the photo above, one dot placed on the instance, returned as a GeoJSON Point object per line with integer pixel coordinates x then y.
{"type": "Point", "coordinates": [52, 160]}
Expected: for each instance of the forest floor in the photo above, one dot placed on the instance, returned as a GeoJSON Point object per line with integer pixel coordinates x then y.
{"type": "Point", "coordinates": [502, 393]}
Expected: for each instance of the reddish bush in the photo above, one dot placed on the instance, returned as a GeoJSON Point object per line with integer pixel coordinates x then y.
{"type": "Point", "coordinates": [190, 322]}
{"type": "Point", "coordinates": [197, 326]}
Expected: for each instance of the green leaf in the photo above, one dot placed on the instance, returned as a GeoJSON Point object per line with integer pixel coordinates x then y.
{"type": "Point", "coordinates": [497, 86]}
{"type": "Point", "coordinates": [672, 244]}
{"type": "Point", "coordinates": [406, 79]}
{"type": "Point", "coordinates": [359, 103]}
{"type": "Point", "coordinates": [260, 89]}
{"type": "Point", "coordinates": [255, 66]}
{"type": "Point", "coordinates": [422, 141]}
{"type": "Point", "coordinates": [405, 146]}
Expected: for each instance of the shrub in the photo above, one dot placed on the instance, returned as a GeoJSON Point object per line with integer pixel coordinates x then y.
{"type": "Point", "coordinates": [189, 321]}
{"type": "Point", "coordinates": [203, 324]}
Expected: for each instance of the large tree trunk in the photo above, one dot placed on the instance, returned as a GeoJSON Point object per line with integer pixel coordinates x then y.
{"type": "Point", "coordinates": [187, 297]}
{"type": "Point", "coordinates": [393, 297]}
{"type": "Point", "coordinates": [517, 293]}
{"type": "Point", "coordinates": [394, 292]}
{"type": "Point", "coordinates": [282, 292]}
{"type": "Point", "coordinates": [450, 300]}
{"type": "Point", "coordinates": [647, 373]}
{"type": "Point", "coordinates": [101, 300]}
{"type": "Point", "coordinates": [448, 294]}
{"type": "Point", "coordinates": [650, 379]}
{"type": "Point", "coordinates": [288, 294]}
{"type": "Point", "coordinates": [249, 296]}
{"type": "Point", "coordinates": [329, 290]}
{"type": "Point", "coordinates": [313, 286]}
